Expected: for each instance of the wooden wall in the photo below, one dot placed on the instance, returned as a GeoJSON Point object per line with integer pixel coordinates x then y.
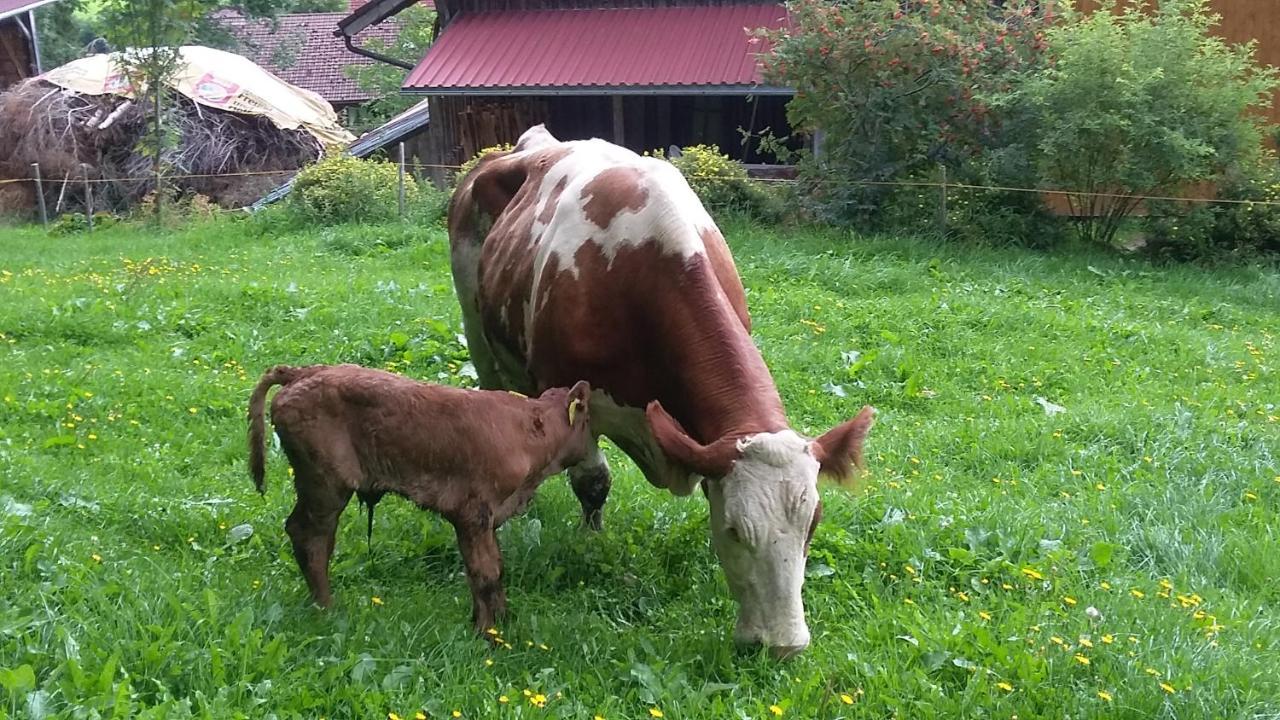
{"type": "Point", "coordinates": [16, 61]}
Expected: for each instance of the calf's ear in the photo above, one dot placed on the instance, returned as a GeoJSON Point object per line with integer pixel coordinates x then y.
{"type": "Point", "coordinates": [839, 450]}
{"type": "Point", "coordinates": [577, 401]}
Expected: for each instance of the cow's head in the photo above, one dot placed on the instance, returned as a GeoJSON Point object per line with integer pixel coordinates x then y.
{"type": "Point", "coordinates": [763, 492]}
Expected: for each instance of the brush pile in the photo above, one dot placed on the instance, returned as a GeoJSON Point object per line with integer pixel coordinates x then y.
{"type": "Point", "coordinates": [72, 135]}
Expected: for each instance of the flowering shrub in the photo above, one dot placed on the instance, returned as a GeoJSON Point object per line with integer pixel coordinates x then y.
{"type": "Point", "coordinates": [342, 188]}
{"type": "Point", "coordinates": [898, 87]}
{"type": "Point", "coordinates": [721, 182]}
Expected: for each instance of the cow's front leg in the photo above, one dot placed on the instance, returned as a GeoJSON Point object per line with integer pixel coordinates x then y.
{"type": "Point", "coordinates": [480, 553]}
{"type": "Point", "coordinates": [591, 482]}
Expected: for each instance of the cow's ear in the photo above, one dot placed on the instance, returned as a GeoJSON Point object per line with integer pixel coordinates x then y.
{"type": "Point", "coordinates": [839, 450]}
{"type": "Point", "coordinates": [578, 403]}
{"type": "Point", "coordinates": [714, 460]}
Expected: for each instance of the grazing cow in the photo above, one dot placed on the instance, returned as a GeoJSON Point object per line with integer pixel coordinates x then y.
{"type": "Point", "coordinates": [585, 260]}
{"type": "Point", "coordinates": [474, 456]}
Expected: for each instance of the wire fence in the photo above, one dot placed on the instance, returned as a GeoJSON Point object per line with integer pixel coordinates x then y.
{"type": "Point", "coordinates": [943, 186]}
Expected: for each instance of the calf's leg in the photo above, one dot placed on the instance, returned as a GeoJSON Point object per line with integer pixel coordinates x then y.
{"type": "Point", "coordinates": [312, 527]}
{"type": "Point", "coordinates": [480, 553]}
{"type": "Point", "coordinates": [591, 482]}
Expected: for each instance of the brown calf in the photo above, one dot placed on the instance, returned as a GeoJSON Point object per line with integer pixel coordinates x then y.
{"type": "Point", "coordinates": [474, 456]}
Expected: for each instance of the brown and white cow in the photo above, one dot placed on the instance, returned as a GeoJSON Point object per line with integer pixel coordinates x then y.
{"type": "Point", "coordinates": [582, 260]}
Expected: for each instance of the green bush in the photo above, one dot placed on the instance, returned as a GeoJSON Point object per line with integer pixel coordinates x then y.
{"type": "Point", "coordinates": [342, 188]}
{"type": "Point", "coordinates": [722, 184]}
{"type": "Point", "coordinates": [1140, 102]}
{"type": "Point", "coordinates": [1247, 225]}
{"type": "Point", "coordinates": [470, 165]}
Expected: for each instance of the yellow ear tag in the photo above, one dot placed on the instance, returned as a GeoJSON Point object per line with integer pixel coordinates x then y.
{"type": "Point", "coordinates": [573, 410]}
{"type": "Point", "coordinates": [519, 395]}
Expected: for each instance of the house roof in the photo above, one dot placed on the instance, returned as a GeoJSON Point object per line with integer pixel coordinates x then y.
{"type": "Point", "coordinates": [301, 49]}
{"type": "Point", "coordinates": [13, 7]}
{"type": "Point", "coordinates": [649, 50]}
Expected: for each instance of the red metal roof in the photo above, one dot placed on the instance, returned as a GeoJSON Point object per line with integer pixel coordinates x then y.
{"type": "Point", "coordinates": [666, 50]}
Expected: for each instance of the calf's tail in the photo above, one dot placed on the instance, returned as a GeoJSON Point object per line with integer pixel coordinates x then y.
{"type": "Point", "coordinates": [278, 375]}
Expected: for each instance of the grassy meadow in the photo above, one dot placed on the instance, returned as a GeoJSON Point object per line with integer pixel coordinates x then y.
{"type": "Point", "coordinates": [1071, 509]}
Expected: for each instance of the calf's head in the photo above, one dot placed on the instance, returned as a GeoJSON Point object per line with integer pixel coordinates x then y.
{"type": "Point", "coordinates": [571, 408]}
{"type": "Point", "coordinates": [763, 493]}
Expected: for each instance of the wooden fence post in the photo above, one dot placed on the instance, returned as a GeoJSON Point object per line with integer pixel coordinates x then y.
{"type": "Point", "coordinates": [942, 209]}
{"type": "Point", "coordinates": [88, 197]}
{"type": "Point", "coordinates": [401, 181]}
{"type": "Point", "coordinates": [44, 212]}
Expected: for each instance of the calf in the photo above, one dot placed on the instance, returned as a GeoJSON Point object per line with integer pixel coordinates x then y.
{"type": "Point", "coordinates": [474, 456]}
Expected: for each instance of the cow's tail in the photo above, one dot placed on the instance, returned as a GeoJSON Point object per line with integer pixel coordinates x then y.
{"type": "Point", "coordinates": [278, 375]}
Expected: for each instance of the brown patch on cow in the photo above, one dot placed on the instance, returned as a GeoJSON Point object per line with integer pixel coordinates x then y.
{"type": "Point", "coordinates": [726, 272]}
{"type": "Point", "coordinates": [475, 457]}
{"type": "Point", "coordinates": [553, 201]}
{"type": "Point", "coordinates": [614, 191]}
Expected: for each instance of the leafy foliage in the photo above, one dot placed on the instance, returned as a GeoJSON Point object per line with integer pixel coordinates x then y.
{"type": "Point", "coordinates": [1140, 101]}
{"type": "Point", "coordinates": [1249, 225]}
{"type": "Point", "coordinates": [722, 184]}
{"type": "Point", "coordinates": [341, 188]}
{"type": "Point", "coordinates": [417, 27]}
{"type": "Point", "coordinates": [897, 88]}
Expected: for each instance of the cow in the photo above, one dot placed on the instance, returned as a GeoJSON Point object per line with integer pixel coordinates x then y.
{"type": "Point", "coordinates": [473, 456]}
{"type": "Point", "coordinates": [585, 260]}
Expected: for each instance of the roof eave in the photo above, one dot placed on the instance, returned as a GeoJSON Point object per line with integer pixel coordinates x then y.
{"type": "Point", "coordinates": [371, 13]}
{"type": "Point", "coordinates": [25, 8]}
{"type": "Point", "coordinates": [603, 90]}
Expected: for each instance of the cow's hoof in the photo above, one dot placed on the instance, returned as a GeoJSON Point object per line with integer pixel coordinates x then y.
{"type": "Point", "coordinates": [593, 520]}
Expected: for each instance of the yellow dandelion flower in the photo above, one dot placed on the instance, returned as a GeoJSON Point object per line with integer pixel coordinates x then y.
{"type": "Point", "coordinates": [1168, 688]}
{"type": "Point", "coordinates": [504, 699]}
{"type": "Point", "coordinates": [597, 717]}
{"type": "Point", "coordinates": [192, 410]}
{"type": "Point", "coordinates": [543, 646]}
{"type": "Point", "coordinates": [910, 570]}
{"type": "Point", "coordinates": [1082, 659]}
{"type": "Point", "coordinates": [1076, 473]}
{"type": "Point", "coordinates": [1086, 642]}
{"type": "Point", "coordinates": [96, 557]}
{"type": "Point", "coordinates": [488, 662]}
{"type": "Point", "coordinates": [392, 716]}
{"type": "Point", "coordinates": [655, 712]}
{"type": "Point", "coordinates": [1100, 486]}
{"type": "Point", "coordinates": [1106, 696]}
{"type": "Point", "coordinates": [456, 713]}
{"type": "Point", "coordinates": [984, 614]}
{"type": "Point", "coordinates": [1006, 586]}
{"type": "Point", "coordinates": [1032, 573]}
{"type": "Point", "coordinates": [846, 698]}
{"type": "Point", "coordinates": [908, 601]}
{"type": "Point", "coordinates": [1004, 686]}
{"type": "Point", "coordinates": [492, 632]}
{"type": "Point", "coordinates": [1164, 583]}
{"type": "Point", "coordinates": [1108, 639]}
{"type": "Point", "coordinates": [1152, 672]}
{"type": "Point", "coordinates": [419, 715]}
{"type": "Point", "coordinates": [1250, 496]}
{"type": "Point", "coordinates": [1056, 640]}
{"type": "Point", "coordinates": [777, 711]}
{"type": "Point", "coordinates": [1137, 593]}
{"type": "Point", "coordinates": [1069, 601]}
{"type": "Point", "coordinates": [1104, 585]}
{"type": "Point", "coordinates": [376, 600]}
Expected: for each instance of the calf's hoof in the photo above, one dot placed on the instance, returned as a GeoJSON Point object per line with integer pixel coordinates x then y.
{"type": "Point", "coordinates": [593, 519]}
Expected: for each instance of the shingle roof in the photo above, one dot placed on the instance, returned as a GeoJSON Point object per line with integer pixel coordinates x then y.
{"type": "Point", "coordinates": [683, 49]}
{"type": "Point", "coordinates": [301, 49]}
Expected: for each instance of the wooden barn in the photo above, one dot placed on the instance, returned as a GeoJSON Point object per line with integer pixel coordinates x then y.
{"type": "Point", "coordinates": [645, 74]}
{"type": "Point", "coordinates": [19, 49]}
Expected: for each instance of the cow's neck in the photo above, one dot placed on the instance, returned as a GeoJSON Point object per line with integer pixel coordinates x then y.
{"type": "Point", "coordinates": [720, 385]}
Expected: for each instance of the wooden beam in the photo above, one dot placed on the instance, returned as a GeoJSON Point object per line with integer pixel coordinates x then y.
{"type": "Point", "coordinates": [619, 125]}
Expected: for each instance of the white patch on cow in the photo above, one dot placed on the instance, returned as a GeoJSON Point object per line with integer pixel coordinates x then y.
{"type": "Point", "coordinates": [535, 138]}
{"type": "Point", "coordinates": [760, 517]}
{"type": "Point", "coordinates": [672, 216]}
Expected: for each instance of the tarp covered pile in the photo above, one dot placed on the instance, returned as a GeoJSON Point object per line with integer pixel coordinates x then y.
{"type": "Point", "coordinates": [233, 125]}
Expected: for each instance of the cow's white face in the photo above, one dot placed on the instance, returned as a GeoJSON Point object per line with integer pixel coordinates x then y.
{"type": "Point", "coordinates": [762, 513]}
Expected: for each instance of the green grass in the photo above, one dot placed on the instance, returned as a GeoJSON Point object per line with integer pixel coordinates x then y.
{"type": "Point", "coordinates": [953, 582]}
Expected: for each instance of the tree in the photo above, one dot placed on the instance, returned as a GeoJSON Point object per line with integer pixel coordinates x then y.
{"type": "Point", "coordinates": [417, 26]}
{"type": "Point", "coordinates": [1141, 102]}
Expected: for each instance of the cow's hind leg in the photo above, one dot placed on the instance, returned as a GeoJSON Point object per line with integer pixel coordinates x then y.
{"type": "Point", "coordinates": [591, 482]}
{"type": "Point", "coordinates": [478, 545]}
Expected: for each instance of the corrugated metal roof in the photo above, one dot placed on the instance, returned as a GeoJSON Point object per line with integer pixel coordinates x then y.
{"type": "Point", "coordinates": [669, 50]}
{"type": "Point", "coordinates": [13, 7]}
